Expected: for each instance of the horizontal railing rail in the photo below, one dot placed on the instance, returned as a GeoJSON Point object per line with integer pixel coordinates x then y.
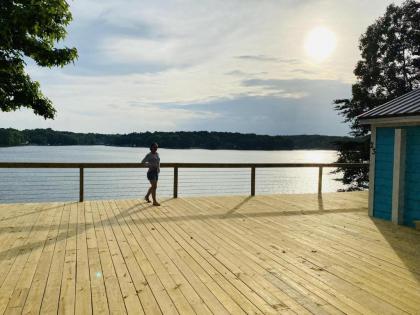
{"type": "Point", "coordinates": [171, 165]}
{"type": "Point", "coordinates": [176, 167]}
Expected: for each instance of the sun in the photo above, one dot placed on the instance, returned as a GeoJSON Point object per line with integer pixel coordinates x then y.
{"type": "Point", "coordinates": [320, 43]}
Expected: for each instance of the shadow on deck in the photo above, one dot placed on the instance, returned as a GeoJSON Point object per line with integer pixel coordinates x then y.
{"type": "Point", "coordinates": [267, 254]}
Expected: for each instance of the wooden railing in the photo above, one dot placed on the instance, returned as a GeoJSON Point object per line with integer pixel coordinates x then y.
{"type": "Point", "coordinates": [177, 166]}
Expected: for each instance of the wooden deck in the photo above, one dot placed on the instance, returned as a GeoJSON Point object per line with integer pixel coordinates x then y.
{"type": "Point", "coordinates": [291, 254]}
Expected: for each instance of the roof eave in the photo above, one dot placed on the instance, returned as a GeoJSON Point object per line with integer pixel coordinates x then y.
{"type": "Point", "coordinates": [398, 120]}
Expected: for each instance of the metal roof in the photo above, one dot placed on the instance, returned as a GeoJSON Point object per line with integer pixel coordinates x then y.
{"type": "Point", "coordinates": [405, 105]}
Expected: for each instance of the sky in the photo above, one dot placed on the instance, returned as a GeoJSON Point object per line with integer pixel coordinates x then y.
{"type": "Point", "coordinates": [251, 66]}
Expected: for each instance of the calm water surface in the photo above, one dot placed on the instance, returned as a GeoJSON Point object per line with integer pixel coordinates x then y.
{"type": "Point", "coordinates": [53, 184]}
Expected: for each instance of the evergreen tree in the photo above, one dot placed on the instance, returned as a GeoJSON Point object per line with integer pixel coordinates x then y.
{"type": "Point", "coordinates": [390, 67]}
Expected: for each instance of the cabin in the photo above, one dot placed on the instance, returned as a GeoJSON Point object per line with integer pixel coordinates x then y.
{"type": "Point", "coordinates": [394, 192]}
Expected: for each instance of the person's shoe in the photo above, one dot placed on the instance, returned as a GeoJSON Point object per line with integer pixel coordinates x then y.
{"type": "Point", "coordinates": [146, 198]}
{"type": "Point", "coordinates": [156, 204]}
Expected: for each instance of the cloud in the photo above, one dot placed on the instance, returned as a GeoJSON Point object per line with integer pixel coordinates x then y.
{"type": "Point", "coordinates": [312, 113]}
{"type": "Point", "coordinates": [303, 71]}
{"type": "Point", "coordinates": [237, 73]}
{"type": "Point", "coordinates": [265, 58]}
{"type": "Point", "coordinates": [276, 111]}
{"type": "Point", "coordinates": [236, 65]}
{"type": "Point", "coordinates": [257, 57]}
{"type": "Point", "coordinates": [240, 73]}
{"type": "Point", "coordinates": [138, 50]}
{"type": "Point", "coordinates": [111, 118]}
{"type": "Point", "coordinates": [290, 84]}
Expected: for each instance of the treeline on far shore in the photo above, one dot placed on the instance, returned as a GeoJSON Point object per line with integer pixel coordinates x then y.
{"type": "Point", "coordinates": [173, 140]}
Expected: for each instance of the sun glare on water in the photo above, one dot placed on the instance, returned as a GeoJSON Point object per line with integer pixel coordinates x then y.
{"type": "Point", "coordinates": [320, 43]}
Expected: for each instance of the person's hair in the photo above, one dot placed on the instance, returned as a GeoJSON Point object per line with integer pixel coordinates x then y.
{"type": "Point", "coordinates": [153, 144]}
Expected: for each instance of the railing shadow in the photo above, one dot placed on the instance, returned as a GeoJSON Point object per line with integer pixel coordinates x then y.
{"type": "Point", "coordinates": [237, 207]}
{"type": "Point", "coordinates": [73, 229]}
{"type": "Point", "coordinates": [29, 213]}
{"type": "Point", "coordinates": [320, 203]}
{"type": "Point", "coordinates": [233, 214]}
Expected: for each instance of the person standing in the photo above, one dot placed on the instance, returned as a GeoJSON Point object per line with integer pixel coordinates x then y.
{"type": "Point", "coordinates": [152, 160]}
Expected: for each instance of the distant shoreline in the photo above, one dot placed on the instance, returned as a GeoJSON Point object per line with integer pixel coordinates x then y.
{"type": "Point", "coordinates": [171, 140]}
{"type": "Point", "coordinates": [121, 146]}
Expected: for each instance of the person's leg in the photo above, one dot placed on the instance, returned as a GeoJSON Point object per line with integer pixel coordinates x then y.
{"type": "Point", "coordinates": [151, 178]}
{"type": "Point", "coordinates": [154, 187]}
{"type": "Point", "coordinates": [148, 193]}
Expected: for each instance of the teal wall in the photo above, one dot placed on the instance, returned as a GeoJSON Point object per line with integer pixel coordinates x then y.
{"type": "Point", "coordinates": [412, 176]}
{"type": "Point", "coordinates": [384, 165]}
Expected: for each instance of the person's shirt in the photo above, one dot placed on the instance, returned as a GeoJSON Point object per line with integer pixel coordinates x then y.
{"type": "Point", "coordinates": [152, 161]}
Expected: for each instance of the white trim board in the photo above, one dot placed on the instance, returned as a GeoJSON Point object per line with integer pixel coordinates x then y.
{"type": "Point", "coordinates": [398, 176]}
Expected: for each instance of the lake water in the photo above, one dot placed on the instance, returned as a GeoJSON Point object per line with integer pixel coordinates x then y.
{"type": "Point", "coordinates": [25, 185]}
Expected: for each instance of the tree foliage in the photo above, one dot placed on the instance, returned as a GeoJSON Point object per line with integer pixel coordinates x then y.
{"type": "Point", "coordinates": [173, 140]}
{"type": "Point", "coordinates": [31, 28]}
{"type": "Point", "coordinates": [389, 67]}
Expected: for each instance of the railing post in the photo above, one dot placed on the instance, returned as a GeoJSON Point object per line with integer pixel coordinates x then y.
{"type": "Point", "coordinates": [81, 184]}
{"type": "Point", "coordinates": [253, 181]}
{"type": "Point", "coordinates": [175, 182]}
{"type": "Point", "coordinates": [320, 180]}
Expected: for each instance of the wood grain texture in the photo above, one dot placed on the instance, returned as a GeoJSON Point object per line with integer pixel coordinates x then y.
{"type": "Point", "coordinates": [274, 254]}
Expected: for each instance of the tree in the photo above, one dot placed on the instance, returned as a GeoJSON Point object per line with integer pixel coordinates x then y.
{"type": "Point", "coordinates": [11, 137]}
{"type": "Point", "coordinates": [390, 67]}
{"type": "Point", "coordinates": [31, 28]}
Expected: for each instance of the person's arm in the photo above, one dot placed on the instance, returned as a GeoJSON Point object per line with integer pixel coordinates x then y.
{"type": "Point", "coordinates": [145, 159]}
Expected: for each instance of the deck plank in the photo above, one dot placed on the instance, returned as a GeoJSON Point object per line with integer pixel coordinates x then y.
{"type": "Point", "coordinates": [30, 287]}
{"type": "Point", "coordinates": [67, 298]}
{"type": "Point", "coordinates": [83, 290]}
{"type": "Point", "coordinates": [33, 302]}
{"type": "Point", "coordinates": [151, 250]}
{"type": "Point", "coordinates": [97, 284]}
{"type": "Point", "coordinates": [114, 294]}
{"type": "Point", "coordinates": [187, 281]}
{"type": "Point", "coordinates": [52, 289]}
{"type": "Point", "coordinates": [22, 252]}
{"type": "Point", "coordinates": [128, 247]}
{"type": "Point", "coordinates": [15, 228]}
{"type": "Point", "coordinates": [222, 283]}
{"type": "Point", "coordinates": [269, 239]}
{"type": "Point", "coordinates": [274, 254]}
{"type": "Point", "coordinates": [377, 282]}
{"type": "Point", "coordinates": [243, 269]}
{"type": "Point", "coordinates": [130, 297]}
{"type": "Point", "coordinates": [315, 264]}
{"type": "Point", "coordinates": [252, 267]}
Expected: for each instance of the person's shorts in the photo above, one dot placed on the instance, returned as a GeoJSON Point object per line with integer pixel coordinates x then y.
{"type": "Point", "coordinates": [152, 175]}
